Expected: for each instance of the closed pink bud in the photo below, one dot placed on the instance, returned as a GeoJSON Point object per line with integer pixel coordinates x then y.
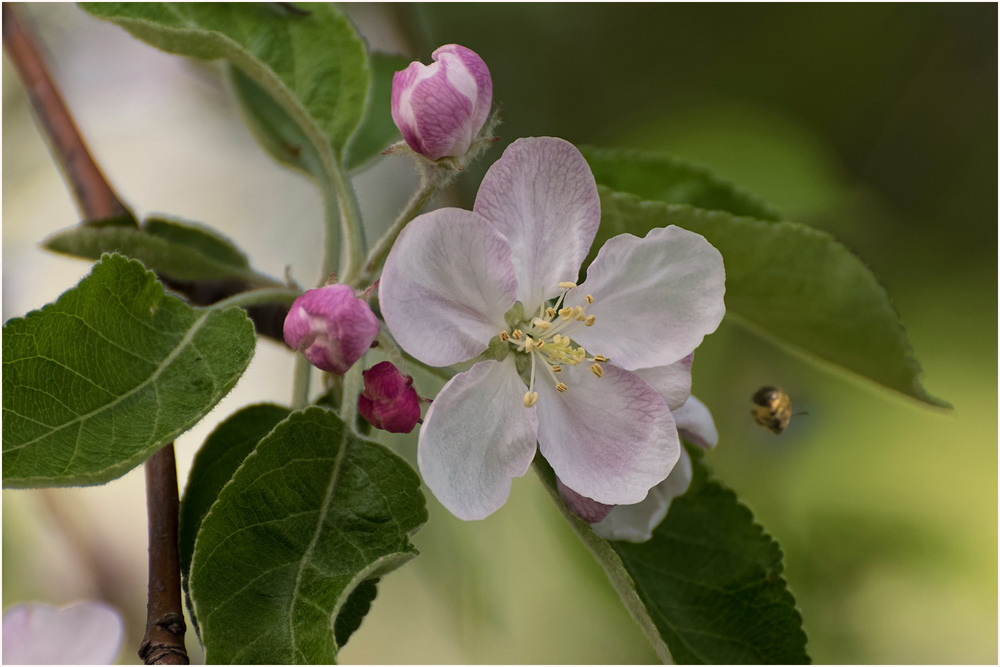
{"type": "Point", "coordinates": [441, 107]}
{"type": "Point", "coordinates": [389, 401]}
{"type": "Point", "coordinates": [332, 327]}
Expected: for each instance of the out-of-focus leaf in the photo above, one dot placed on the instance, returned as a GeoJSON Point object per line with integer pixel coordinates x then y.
{"type": "Point", "coordinates": [310, 516]}
{"type": "Point", "coordinates": [792, 283]}
{"type": "Point", "coordinates": [114, 369]}
{"type": "Point", "coordinates": [377, 131]}
{"type": "Point", "coordinates": [661, 178]}
{"type": "Point", "coordinates": [183, 251]}
{"type": "Point", "coordinates": [710, 580]}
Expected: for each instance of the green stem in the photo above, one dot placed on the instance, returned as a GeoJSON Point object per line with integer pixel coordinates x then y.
{"type": "Point", "coordinates": [608, 559]}
{"type": "Point", "coordinates": [376, 256]}
{"type": "Point", "coordinates": [343, 215]}
{"type": "Point", "coordinates": [259, 296]}
{"type": "Point", "coordinates": [349, 400]}
{"type": "Point", "coordinates": [300, 382]}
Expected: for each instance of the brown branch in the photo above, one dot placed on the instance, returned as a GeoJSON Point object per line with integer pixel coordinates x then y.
{"type": "Point", "coordinates": [164, 640]}
{"type": "Point", "coordinates": [94, 196]}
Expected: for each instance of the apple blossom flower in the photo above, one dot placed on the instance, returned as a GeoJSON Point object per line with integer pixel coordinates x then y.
{"type": "Point", "coordinates": [389, 401]}
{"type": "Point", "coordinates": [636, 523]}
{"type": "Point", "coordinates": [590, 372]}
{"type": "Point", "coordinates": [441, 107]}
{"type": "Point", "coordinates": [85, 633]}
{"type": "Point", "coordinates": [331, 326]}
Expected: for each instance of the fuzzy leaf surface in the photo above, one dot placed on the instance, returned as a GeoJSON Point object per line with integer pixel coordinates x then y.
{"type": "Point", "coordinates": [710, 580]}
{"type": "Point", "coordinates": [792, 283]}
{"type": "Point", "coordinates": [310, 515]}
{"type": "Point", "coordinates": [114, 369]}
{"type": "Point", "coordinates": [216, 463]}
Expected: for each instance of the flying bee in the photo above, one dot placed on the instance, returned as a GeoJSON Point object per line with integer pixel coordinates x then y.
{"type": "Point", "coordinates": [772, 409]}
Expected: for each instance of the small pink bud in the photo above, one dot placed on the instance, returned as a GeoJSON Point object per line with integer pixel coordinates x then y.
{"type": "Point", "coordinates": [440, 108]}
{"type": "Point", "coordinates": [389, 401]}
{"type": "Point", "coordinates": [332, 327]}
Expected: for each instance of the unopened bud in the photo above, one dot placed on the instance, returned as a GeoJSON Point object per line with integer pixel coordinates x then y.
{"type": "Point", "coordinates": [441, 107]}
{"type": "Point", "coordinates": [331, 327]}
{"type": "Point", "coordinates": [389, 401]}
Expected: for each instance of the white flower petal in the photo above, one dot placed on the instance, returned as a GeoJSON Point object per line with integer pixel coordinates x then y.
{"type": "Point", "coordinates": [85, 633]}
{"type": "Point", "coordinates": [609, 439]}
{"type": "Point", "coordinates": [673, 382]}
{"type": "Point", "coordinates": [654, 298]}
{"type": "Point", "coordinates": [636, 523]}
{"type": "Point", "coordinates": [542, 197]}
{"type": "Point", "coordinates": [446, 286]}
{"type": "Point", "coordinates": [476, 438]}
{"type": "Point", "coordinates": [695, 424]}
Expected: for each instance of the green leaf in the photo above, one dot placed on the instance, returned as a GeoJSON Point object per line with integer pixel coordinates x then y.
{"type": "Point", "coordinates": [96, 382]}
{"type": "Point", "coordinates": [183, 251]}
{"type": "Point", "coordinates": [791, 283]}
{"type": "Point", "coordinates": [710, 579]}
{"type": "Point", "coordinates": [313, 65]}
{"type": "Point", "coordinates": [661, 178]}
{"type": "Point", "coordinates": [309, 517]}
{"type": "Point", "coordinates": [214, 465]}
{"type": "Point", "coordinates": [378, 131]}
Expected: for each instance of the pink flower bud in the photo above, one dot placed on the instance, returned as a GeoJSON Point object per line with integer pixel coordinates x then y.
{"type": "Point", "coordinates": [389, 401]}
{"type": "Point", "coordinates": [331, 326]}
{"type": "Point", "coordinates": [440, 108]}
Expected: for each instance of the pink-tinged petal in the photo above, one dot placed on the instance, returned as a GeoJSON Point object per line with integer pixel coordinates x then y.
{"type": "Point", "coordinates": [85, 633]}
{"type": "Point", "coordinates": [636, 523]}
{"type": "Point", "coordinates": [471, 63]}
{"type": "Point", "coordinates": [655, 298]}
{"type": "Point", "coordinates": [695, 424]}
{"type": "Point", "coordinates": [542, 197]}
{"type": "Point", "coordinates": [610, 439]}
{"type": "Point", "coordinates": [589, 510]}
{"type": "Point", "coordinates": [446, 285]}
{"type": "Point", "coordinates": [476, 438]}
{"type": "Point", "coordinates": [673, 382]}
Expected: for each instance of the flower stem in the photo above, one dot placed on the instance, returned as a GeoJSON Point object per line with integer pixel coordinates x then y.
{"type": "Point", "coordinates": [300, 382]}
{"type": "Point", "coordinates": [349, 400]}
{"type": "Point", "coordinates": [282, 295]}
{"type": "Point", "coordinates": [343, 226]}
{"type": "Point", "coordinates": [376, 256]}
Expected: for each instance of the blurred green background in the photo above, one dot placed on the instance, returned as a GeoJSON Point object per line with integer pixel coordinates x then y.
{"type": "Point", "coordinates": [876, 122]}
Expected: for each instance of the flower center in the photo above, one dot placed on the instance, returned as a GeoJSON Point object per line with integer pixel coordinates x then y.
{"type": "Point", "coordinates": [543, 338]}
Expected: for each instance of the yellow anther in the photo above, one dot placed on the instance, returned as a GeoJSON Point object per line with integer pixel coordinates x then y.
{"type": "Point", "coordinates": [504, 336]}
{"type": "Point", "coordinates": [530, 344]}
{"type": "Point", "coordinates": [600, 358]}
{"type": "Point", "coordinates": [539, 344]}
{"type": "Point", "coordinates": [556, 368]}
{"type": "Point", "coordinates": [517, 334]}
{"type": "Point", "coordinates": [589, 321]}
{"type": "Point", "coordinates": [530, 398]}
{"type": "Point", "coordinates": [589, 299]}
{"type": "Point", "coordinates": [597, 370]}
{"type": "Point", "coordinates": [541, 324]}
{"type": "Point", "coordinates": [567, 285]}
{"type": "Point", "coordinates": [550, 312]}
{"type": "Point", "coordinates": [579, 314]}
{"type": "Point", "coordinates": [561, 387]}
{"type": "Point", "coordinates": [566, 313]}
